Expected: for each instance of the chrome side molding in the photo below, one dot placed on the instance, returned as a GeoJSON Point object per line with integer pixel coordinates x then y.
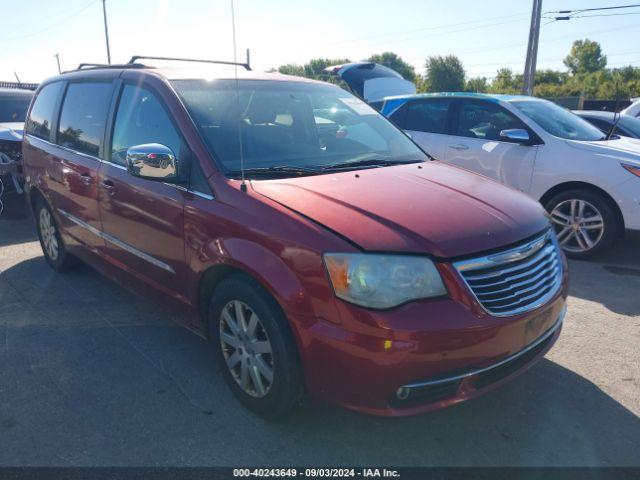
{"type": "Point", "coordinates": [117, 242]}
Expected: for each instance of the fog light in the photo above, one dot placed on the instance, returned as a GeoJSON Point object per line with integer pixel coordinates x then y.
{"type": "Point", "coordinates": [403, 393]}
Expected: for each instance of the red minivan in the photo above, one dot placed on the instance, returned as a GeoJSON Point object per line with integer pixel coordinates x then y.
{"type": "Point", "coordinates": [315, 245]}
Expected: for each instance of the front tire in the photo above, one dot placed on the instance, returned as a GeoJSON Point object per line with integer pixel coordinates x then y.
{"type": "Point", "coordinates": [53, 248]}
{"type": "Point", "coordinates": [255, 347]}
{"type": "Point", "coordinates": [585, 222]}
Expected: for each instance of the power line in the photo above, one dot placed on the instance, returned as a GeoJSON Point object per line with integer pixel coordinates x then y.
{"type": "Point", "coordinates": [405, 32]}
{"type": "Point", "coordinates": [38, 32]}
{"type": "Point", "coordinates": [580, 10]}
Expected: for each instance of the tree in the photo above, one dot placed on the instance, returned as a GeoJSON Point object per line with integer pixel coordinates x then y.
{"type": "Point", "coordinates": [477, 85]}
{"type": "Point", "coordinates": [504, 82]}
{"type": "Point", "coordinates": [585, 57]}
{"type": "Point", "coordinates": [292, 69]}
{"type": "Point", "coordinates": [395, 62]}
{"type": "Point", "coordinates": [315, 67]}
{"type": "Point", "coordinates": [444, 74]}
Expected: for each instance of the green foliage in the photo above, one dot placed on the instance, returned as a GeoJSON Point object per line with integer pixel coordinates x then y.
{"type": "Point", "coordinates": [587, 75]}
{"type": "Point", "coordinates": [444, 74]}
{"type": "Point", "coordinates": [395, 62]}
{"type": "Point", "coordinates": [585, 57]}
{"type": "Point", "coordinates": [477, 85]}
{"type": "Point", "coordinates": [313, 69]}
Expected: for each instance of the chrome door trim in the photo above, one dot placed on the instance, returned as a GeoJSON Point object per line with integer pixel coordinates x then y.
{"type": "Point", "coordinates": [529, 347]}
{"type": "Point", "coordinates": [111, 239]}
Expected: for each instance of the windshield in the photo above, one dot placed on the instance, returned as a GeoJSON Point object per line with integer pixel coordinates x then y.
{"type": "Point", "coordinates": [285, 125]}
{"type": "Point", "coordinates": [13, 109]}
{"type": "Point", "coordinates": [558, 121]}
{"type": "Point", "coordinates": [631, 124]}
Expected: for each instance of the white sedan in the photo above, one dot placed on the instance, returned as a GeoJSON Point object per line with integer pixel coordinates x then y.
{"type": "Point", "coordinates": [589, 184]}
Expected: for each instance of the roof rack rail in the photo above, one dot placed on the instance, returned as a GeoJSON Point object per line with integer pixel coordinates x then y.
{"type": "Point", "coordinates": [197, 60]}
{"type": "Point", "coordinates": [89, 66]}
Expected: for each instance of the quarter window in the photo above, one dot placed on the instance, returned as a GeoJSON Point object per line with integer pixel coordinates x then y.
{"type": "Point", "coordinates": [83, 116]}
{"type": "Point", "coordinates": [427, 116]}
{"type": "Point", "coordinates": [41, 116]}
{"type": "Point", "coordinates": [485, 121]}
{"type": "Point", "coordinates": [141, 119]}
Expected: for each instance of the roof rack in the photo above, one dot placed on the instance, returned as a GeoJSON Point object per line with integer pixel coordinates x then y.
{"type": "Point", "coordinates": [197, 60]}
{"type": "Point", "coordinates": [89, 66]}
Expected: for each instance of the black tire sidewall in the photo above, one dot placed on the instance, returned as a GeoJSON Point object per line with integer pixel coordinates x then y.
{"type": "Point", "coordinates": [609, 217]}
{"type": "Point", "coordinates": [285, 391]}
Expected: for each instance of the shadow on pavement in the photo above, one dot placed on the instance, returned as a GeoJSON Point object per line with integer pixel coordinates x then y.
{"type": "Point", "coordinates": [93, 375]}
{"type": "Point", "coordinates": [611, 279]}
{"type": "Point", "coordinates": [13, 232]}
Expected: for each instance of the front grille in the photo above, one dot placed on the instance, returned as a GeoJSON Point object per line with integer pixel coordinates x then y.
{"type": "Point", "coordinates": [515, 280]}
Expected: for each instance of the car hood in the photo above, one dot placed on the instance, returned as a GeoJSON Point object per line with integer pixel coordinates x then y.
{"type": "Point", "coordinates": [622, 148]}
{"type": "Point", "coordinates": [436, 209]}
{"type": "Point", "coordinates": [11, 131]}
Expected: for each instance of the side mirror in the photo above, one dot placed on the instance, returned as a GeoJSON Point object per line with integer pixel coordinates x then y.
{"type": "Point", "coordinates": [518, 135]}
{"type": "Point", "coordinates": [152, 161]}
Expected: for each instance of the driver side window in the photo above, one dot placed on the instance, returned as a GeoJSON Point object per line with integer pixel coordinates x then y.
{"type": "Point", "coordinates": [485, 121]}
{"type": "Point", "coordinates": [142, 119]}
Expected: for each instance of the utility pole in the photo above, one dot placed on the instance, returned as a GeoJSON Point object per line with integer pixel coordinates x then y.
{"type": "Point", "coordinates": [57, 55]}
{"type": "Point", "coordinates": [532, 49]}
{"type": "Point", "coordinates": [106, 30]}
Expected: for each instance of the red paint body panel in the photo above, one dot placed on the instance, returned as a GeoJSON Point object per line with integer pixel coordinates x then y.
{"type": "Point", "coordinates": [277, 232]}
{"type": "Point", "coordinates": [436, 208]}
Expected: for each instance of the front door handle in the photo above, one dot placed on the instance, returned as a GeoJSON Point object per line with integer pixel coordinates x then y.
{"type": "Point", "coordinates": [459, 147]}
{"type": "Point", "coordinates": [86, 179]}
{"type": "Point", "coordinates": [109, 186]}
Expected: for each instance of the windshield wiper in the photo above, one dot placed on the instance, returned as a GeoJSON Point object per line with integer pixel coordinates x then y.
{"type": "Point", "coordinates": [366, 163]}
{"type": "Point", "coordinates": [275, 171]}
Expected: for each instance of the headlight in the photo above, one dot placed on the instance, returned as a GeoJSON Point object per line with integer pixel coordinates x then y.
{"type": "Point", "coordinates": [382, 281]}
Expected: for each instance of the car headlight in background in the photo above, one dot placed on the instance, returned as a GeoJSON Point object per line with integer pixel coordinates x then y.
{"type": "Point", "coordinates": [382, 281]}
{"type": "Point", "coordinates": [632, 169]}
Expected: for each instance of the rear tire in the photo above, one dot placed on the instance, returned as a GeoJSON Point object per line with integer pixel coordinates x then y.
{"type": "Point", "coordinates": [585, 222]}
{"type": "Point", "coordinates": [254, 344]}
{"type": "Point", "coordinates": [53, 248]}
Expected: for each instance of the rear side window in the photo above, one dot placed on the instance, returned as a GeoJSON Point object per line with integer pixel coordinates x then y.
{"type": "Point", "coordinates": [83, 116]}
{"type": "Point", "coordinates": [485, 121]}
{"type": "Point", "coordinates": [142, 119]}
{"type": "Point", "coordinates": [41, 116]}
{"type": "Point", "coordinates": [428, 116]}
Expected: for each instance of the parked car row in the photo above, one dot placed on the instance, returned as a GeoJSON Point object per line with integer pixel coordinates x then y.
{"type": "Point", "coordinates": [587, 182]}
{"type": "Point", "coordinates": [319, 249]}
{"type": "Point", "coordinates": [13, 108]}
{"type": "Point", "coordinates": [622, 125]}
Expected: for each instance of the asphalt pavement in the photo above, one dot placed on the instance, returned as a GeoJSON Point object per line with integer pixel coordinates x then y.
{"type": "Point", "coordinates": [92, 375]}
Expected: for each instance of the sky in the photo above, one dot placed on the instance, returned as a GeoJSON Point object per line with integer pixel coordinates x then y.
{"type": "Point", "coordinates": [485, 35]}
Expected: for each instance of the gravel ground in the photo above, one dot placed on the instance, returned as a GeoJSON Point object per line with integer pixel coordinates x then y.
{"type": "Point", "coordinates": [93, 375]}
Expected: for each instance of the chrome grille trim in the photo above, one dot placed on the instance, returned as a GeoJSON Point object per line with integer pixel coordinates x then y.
{"type": "Point", "coordinates": [516, 280]}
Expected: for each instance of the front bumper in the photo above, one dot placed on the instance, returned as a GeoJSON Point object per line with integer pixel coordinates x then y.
{"type": "Point", "coordinates": [627, 195]}
{"type": "Point", "coordinates": [441, 351]}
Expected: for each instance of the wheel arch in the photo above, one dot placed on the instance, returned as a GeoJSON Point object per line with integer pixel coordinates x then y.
{"type": "Point", "coordinates": [577, 185]}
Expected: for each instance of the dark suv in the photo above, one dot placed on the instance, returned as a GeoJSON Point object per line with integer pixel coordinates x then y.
{"type": "Point", "coordinates": [313, 242]}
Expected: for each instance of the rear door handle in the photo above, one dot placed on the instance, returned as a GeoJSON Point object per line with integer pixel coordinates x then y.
{"type": "Point", "coordinates": [459, 147]}
{"type": "Point", "coordinates": [109, 186]}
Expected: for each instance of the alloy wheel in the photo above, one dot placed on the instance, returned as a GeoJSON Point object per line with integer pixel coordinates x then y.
{"type": "Point", "coordinates": [246, 348]}
{"type": "Point", "coordinates": [579, 225]}
{"type": "Point", "coordinates": [48, 232]}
